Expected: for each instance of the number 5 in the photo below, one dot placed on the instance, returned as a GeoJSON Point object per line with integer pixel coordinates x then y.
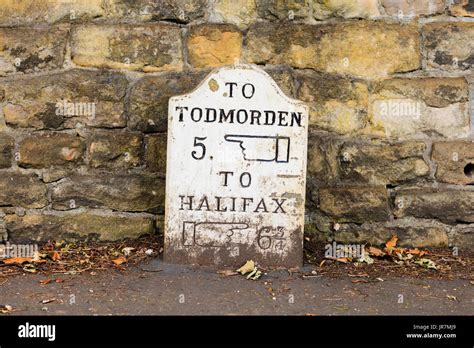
{"type": "Point", "coordinates": [201, 145]}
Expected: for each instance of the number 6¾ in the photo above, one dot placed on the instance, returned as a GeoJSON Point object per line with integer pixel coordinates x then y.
{"type": "Point", "coordinates": [198, 143]}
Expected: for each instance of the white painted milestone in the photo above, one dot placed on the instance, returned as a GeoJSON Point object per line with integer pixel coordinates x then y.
{"type": "Point", "coordinates": [236, 172]}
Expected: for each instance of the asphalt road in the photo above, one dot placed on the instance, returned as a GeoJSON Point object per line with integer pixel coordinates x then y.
{"type": "Point", "coordinates": [163, 289]}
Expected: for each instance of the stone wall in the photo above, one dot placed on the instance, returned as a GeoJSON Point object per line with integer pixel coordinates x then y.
{"type": "Point", "coordinates": [85, 84]}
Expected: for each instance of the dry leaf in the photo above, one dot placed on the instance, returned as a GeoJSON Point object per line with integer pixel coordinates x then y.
{"type": "Point", "coordinates": [56, 256]}
{"type": "Point", "coordinates": [29, 267]}
{"type": "Point", "coordinates": [366, 258]}
{"type": "Point", "coordinates": [6, 309]}
{"type": "Point", "coordinates": [119, 260]}
{"type": "Point", "coordinates": [322, 263]}
{"type": "Point", "coordinates": [45, 281]}
{"type": "Point", "coordinates": [342, 259]}
{"type": "Point", "coordinates": [375, 252]}
{"type": "Point", "coordinates": [427, 263]}
{"type": "Point", "coordinates": [392, 242]}
{"type": "Point", "coordinates": [417, 251]}
{"type": "Point", "coordinates": [17, 260]}
{"type": "Point", "coordinates": [255, 274]}
{"type": "Point", "coordinates": [126, 251]}
{"type": "Point", "coordinates": [247, 268]}
{"type": "Point", "coordinates": [20, 260]}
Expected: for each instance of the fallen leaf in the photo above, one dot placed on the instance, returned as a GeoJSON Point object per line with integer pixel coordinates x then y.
{"type": "Point", "coordinates": [392, 242]}
{"type": "Point", "coordinates": [322, 263]}
{"type": "Point", "coordinates": [451, 297]}
{"type": "Point", "coordinates": [20, 260]}
{"type": "Point", "coordinates": [56, 256]}
{"type": "Point", "coordinates": [37, 256]}
{"type": "Point", "coordinates": [119, 260]}
{"type": "Point", "coordinates": [404, 257]}
{"type": "Point", "coordinates": [427, 263]}
{"type": "Point", "coordinates": [45, 281]}
{"type": "Point", "coordinates": [17, 260]}
{"type": "Point", "coordinates": [247, 268]}
{"type": "Point", "coordinates": [6, 309]}
{"type": "Point", "coordinates": [29, 267]}
{"type": "Point", "coordinates": [375, 252]}
{"type": "Point", "coordinates": [126, 251]}
{"type": "Point", "coordinates": [255, 274]}
{"type": "Point", "coordinates": [59, 280]}
{"type": "Point", "coordinates": [342, 259]}
{"type": "Point", "coordinates": [366, 258]}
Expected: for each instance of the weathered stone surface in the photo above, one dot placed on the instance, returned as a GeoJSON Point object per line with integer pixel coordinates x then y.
{"type": "Point", "coordinates": [30, 50]}
{"type": "Point", "coordinates": [365, 49]}
{"type": "Point", "coordinates": [411, 233]}
{"type": "Point", "coordinates": [407, 9]}
{"type": "Point", "coordinates": [182, 11]}
{"type": "Point", "coordinates": [148, 47]}
{"type": "Point", "coordinates": [450, 46]}
{"type": "Point", "coordinates": [6, 147]}
{"type": "Point", "coordinates": [114, 150]}
{"type": "Point", "coordinates": [284, 78]}
{"type": "Point", "coordinates": [38, 101]}
{"type": "Point", "coordinates": [336, 104]}
{"type": "Point", "coordinates": [323, 9]}
{"type": "Point", "coordinates": [322, 160]}
{"type": "Point", "coordinates": [126, 192]}
{"type": "Point", "coordinates": [298, 10]}
{"type": "Point", "coordinates": [357, 204]}
{"type": "Point", "coordinates": [22, 190]}
{"type": "Point", "coordinates": [454, 161]}
{"type": "Point", "coordinates": [462, 237]}
{"type": "Point", "coordinates": [56, 173]}
{"type": "Point", "coordinates": [149, 99]}
{"type": "Point", "coordinates": [155, 153]}
{"type": "Point", "coordinates": [283, 10]}
{"type": "Point", "coordinates": [51, 149]}
{"type": "Point", "coordinates": [21, 12]}
{"type": "Point", "coordinates": [76, 226]}
{"type": "Point", "coordinates": [424, 107]}
{"type": "Point", "coordinates": [382, 164]}
{"type": "Point", "coordinates": [211, 45]}
{"type": "Point", "coordinates": [445, 204]}
{"type": "Point", "coordinates": [462, 8]}
{"type": "Point", "coordinates": [238, 12]}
